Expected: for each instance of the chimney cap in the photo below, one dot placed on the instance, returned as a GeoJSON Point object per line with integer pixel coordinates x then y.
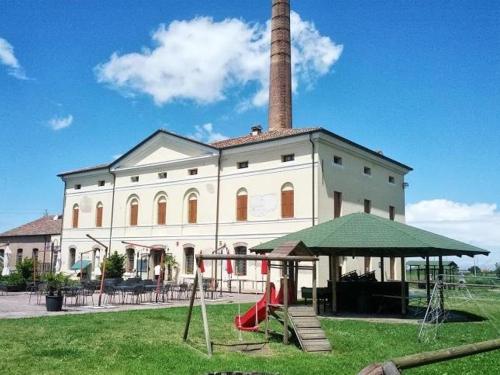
{"type": "Point", "coordinates": [256, 129]}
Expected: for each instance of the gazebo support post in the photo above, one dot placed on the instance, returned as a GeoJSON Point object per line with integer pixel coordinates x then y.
{"type": "Point", "coordinates": [427, 280]}
{"type": "Point", "coordinates": [333, 281]}
{"type": "Point", "coordinates": [268, 297]}
{"type": "Point", "coordinates": [381, 269]}
{"type": "Point", "coordinates": [314, 290]}
{"type": "Point", "coordinates": [285, 303]}
{"type": "Point", "coordinates": [441, 286]}
{"type": "Point", "coordinates": [403, 286]}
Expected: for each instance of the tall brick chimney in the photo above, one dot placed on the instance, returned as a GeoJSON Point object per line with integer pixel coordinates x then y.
{"type": "Point", "coordinates": [280, 80]}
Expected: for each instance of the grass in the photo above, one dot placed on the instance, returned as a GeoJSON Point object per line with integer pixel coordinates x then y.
{"type": "Point", "coordinates": [149, 342]}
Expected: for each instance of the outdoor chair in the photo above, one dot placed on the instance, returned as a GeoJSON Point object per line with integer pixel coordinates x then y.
{"type": "Point", "coordinates": [110, 294]}
{"type": "Point", "coordinates": [182, 291]}
{"type": "Point", "coordinates": [41, 291]}
{"type": "Point", "coordinates": [134, 292]}
{"type": "Point", "coordinates": [4, 290]}
{"type": "Point", "coordinates": [87, 291]}
{"type": "Point", "coordinates": [71, 293]}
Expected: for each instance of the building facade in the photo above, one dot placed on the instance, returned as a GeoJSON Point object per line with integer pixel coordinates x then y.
{"type": "Point", "coordinates": [186, 197]}
{"type": "Point", "coordinates": [38, 240]}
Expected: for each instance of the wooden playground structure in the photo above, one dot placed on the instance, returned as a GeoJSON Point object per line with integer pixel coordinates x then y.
{"type": "Point", "coordinates": [301, 320]}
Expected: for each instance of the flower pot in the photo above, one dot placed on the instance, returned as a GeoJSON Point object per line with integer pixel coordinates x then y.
{"type": "Point", "coordinates": [54, 303]}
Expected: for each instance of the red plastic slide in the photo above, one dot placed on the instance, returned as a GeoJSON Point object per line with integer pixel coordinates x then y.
{"type": "Point", "coordinates": [247, 322]}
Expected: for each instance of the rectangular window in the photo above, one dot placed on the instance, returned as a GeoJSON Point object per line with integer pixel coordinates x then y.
{"type": "Point", "coordinates": [72, 256]}
{"type": "Point", "coordinates": [192, 211]}
{"type": "Point", "coordinates": [78, 186]}
{"type": "Point", "coordinates": [134, 178]}
{"type": "Point", "coordinates": [162, 212]}
{"type": "Point", "coordinates": [241, 207]}
{"type": "Point", "coordinates": [287, 207]}
{"type": "Point", "coordinates": [287, 158]}
{"type": "Point", "coordinates": [130, 260]}
{"type": "Point", "coordinates": [337, 160]}
{"type": "Point", "coordinates": [35, 255]}
{"type": "Point", "coordinates": [98, 217]}
{"type": "Point", "coordinates": [242, 164]}
{"type": "Point", "coordinates": [241, 264]}
{"type": "Point", "coordinates": [19, 256]}
{"type": "Point", "coordinates": [193, 172]}
{"type": "Point", "coordinates": [368, 206]}
{"type": "Point", "coordinates": [337, 204]}
{"type": "Point", "coordinates": [189, 260]}
{"type": "Point", "coordinates": [392, 180]}
{"type": "Point", "coordinates": [134, 214]}
{"type": "Point", "coordinates": [101, 183]}
{"type": "Point", "coordinates": [392, 212]}
{"type": "Point", "coordinates": [367, 171]}
{"type": "Point", "coordinates": [162, 175]}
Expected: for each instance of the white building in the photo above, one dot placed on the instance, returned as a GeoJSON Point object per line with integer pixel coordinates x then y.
{"type": "Point", "coordinates": [185, 196]}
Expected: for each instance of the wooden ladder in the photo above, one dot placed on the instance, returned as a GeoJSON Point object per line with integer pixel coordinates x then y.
{"type": "Point", "coordinates": [307, 328]}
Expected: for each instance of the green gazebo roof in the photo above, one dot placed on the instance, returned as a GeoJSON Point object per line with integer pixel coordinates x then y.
{"type": "Point", "coordinates": [363, 234]}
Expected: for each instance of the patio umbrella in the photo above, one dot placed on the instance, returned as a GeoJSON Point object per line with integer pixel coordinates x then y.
{"type": "Point", "coordinates": [58, 262]}
{"type": "Point", "coordinates": [97, 264]}
{"type": "Point", "coordinates": [6, 260]}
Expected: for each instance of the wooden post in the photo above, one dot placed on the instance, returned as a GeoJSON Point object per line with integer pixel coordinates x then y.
{"type": "Point", "coordinates": [191, 304]}
{"type": "Point", "coordinates": [333, 280]}
{"type": "Point", "coordinates": [81, 268]}
{"type": "Point", "coordinates": [285, 304]}
{"type": "Point", "coordinates": [204, 314]}
{"type": "Point", "coordinates": [381, 269]}
{"type": "Point", "coordinates": [268, 297]}
{"type": "Point", "coordinates": [103, 276]}
{"type": "Point", "coordinates": [427, 280]}
{"type": "Point", "coordinates": [314, 290]}
{"type": "Point", "coordinates": [441, 286]}
{"type": "Point", "coordinates": [159, 282]}
{"type": "Point", "coordinates": [403, 286]}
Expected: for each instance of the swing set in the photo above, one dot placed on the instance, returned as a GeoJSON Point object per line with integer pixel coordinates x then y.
{"type": "Point", "coordinates": [271, 302]}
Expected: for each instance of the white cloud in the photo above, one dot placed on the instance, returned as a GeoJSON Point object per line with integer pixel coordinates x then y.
{"type": "Point", "coordinates": [201, 59]}
{"type": "Point", "coordinates": [8, 59]}
{"type": "Point", "coordinates": [206, 133]}
{"type": "Point", "coordinates": [477, 223]}
{"type": "Point", "coordinates": [58, 123]}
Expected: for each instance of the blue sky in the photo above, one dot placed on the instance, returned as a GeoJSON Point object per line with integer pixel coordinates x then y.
{"type": "Point", "coordinates": [419, 80]}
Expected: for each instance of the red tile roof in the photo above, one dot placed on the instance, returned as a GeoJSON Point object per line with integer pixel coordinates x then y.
{"type": "Point", "coordinates": [42, 226]}
{"type": "Point", "coordinates": [264, 136]}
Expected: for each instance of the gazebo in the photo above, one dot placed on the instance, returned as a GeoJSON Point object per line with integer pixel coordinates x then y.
{"type": "Point", "coordinates": [367, 235]}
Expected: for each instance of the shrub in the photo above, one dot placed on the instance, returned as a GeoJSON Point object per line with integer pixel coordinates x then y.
{"type": "Point", "coordinates": [115, 266]}
{"type": "Point", "coordinates": [55, 281]}
{"type": "Point", "coordinates": [25, 269]}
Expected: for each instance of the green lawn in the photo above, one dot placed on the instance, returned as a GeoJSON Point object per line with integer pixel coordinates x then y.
{"type": "Point", "coordinates": [149, 342]}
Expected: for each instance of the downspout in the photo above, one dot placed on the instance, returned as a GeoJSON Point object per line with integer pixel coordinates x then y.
{"type": "Point", "coordinates": [313, 184]}
{"type": "Point", "coordinates": [216, 244]}
{"type": "Point", "coordinates": [112, 212]}
{"type": "Point", "coordinates": [62, 223]}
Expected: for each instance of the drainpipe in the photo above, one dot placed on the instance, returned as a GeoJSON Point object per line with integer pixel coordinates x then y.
{"type": "Point", "coordinates": [216, 244]}
{"type": "Point", "coordinates": [112, 213]}
{"type": "Point", "coordinates": [313, 157]}
{"type": "Point", "coordinates": [62, 223]}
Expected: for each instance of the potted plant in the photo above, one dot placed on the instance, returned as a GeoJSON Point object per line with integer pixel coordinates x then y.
{"type": "Point", "coordinates": [115, 268]}
{"type": "Point", "coordinates": [54, 297]}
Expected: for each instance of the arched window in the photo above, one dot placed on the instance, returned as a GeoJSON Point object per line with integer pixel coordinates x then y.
{"type": "Point", "coordinates": [188, 259]}
{"type": "Point", "coordinates": [98, 215]}
{"type": "Point", "coordinates": [34, 255]}
{"type": "Point", "coordinates": [161, 210]}
{"type": "Point", "coordinates": [192, 208]}
{"type": "Point", "coordinates": [134, 211]}
{"type": "Point", "coordinates": [19, 257]}
{"type": "Point", "coordinates": [287, 201]}
{"type": "Point", "coordinates": [242, 205]}
{"type": "Point", "coordinates": [76, 212]}
{"type": "Point", "coordinates": [130, 260]}
{"type": "Point", "coordinates": [241, 264]}
{"type": "Point", "coordinates": [72, 256]}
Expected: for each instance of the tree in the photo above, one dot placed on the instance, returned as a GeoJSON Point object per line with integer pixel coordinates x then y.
{"type": "Point", "coordinates": [497, 269]}
{"type": "Point", "coordinates": [25, 269]}
{"type": "Point", "coordinates": [115, 266]}
{"type": "Point", "coordinates": [474, 269]}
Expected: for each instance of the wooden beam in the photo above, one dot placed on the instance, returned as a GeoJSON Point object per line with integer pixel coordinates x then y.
{"type": "Point", "coordinates": [381, 269]}
{"type": "Point", "coordinates": [204, 313]}
{"type": "Point", "coordinates": [427, 280]}
{"type": "Point", "coordinates": [285, 304]}
{"type": "Point", "coordinates": [403, 286]}
{"type": "Point", "coordinates": [441, 286]}
{"type": "Point", "coordinates": [268, 299]}
{"type": "Point", "coordinates": [314, 290]}
{"type": "Point", "coordinates": [334, 267]}
{"type": "Point", "coordinates": [191, 303]}
{"type": "Point", "coordinates": [257, 257]}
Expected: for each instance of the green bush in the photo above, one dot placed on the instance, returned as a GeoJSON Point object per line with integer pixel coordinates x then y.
{"type": "Point", "coordinates": [25, 269]}
{"type": "Point", "coordinates": [115, 266]}
{"type": "Point", "coordinates": [15, 278]}
{"type": "Point", "coordinates": [55, 281]}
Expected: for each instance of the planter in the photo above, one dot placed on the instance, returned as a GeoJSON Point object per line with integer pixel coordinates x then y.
{"type": "Point", "coordinates": [54, 303]}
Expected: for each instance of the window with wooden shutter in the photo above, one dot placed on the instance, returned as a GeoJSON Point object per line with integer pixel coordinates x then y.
{"type": "Point", "coordinates": [98, 215]}
{"type": "Point", "coordinates": [192, 209]}
{"type": "Point", "coordinates": [337, 204]}
{"type": "Point", "coordinates": [134, 212]}
{"type": "Point", "coordinates": [76, 212]}
{"type": "Point", "coordinates": [162, 211]}
{"type": "Point", "coordinates": [392, 212]}
{"type": "Point", "coordinates": [189, 260]}
{"type": "Point", "coordinates": [287, 198]}
{"type": "Point", "coordinates": [242, 205]}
